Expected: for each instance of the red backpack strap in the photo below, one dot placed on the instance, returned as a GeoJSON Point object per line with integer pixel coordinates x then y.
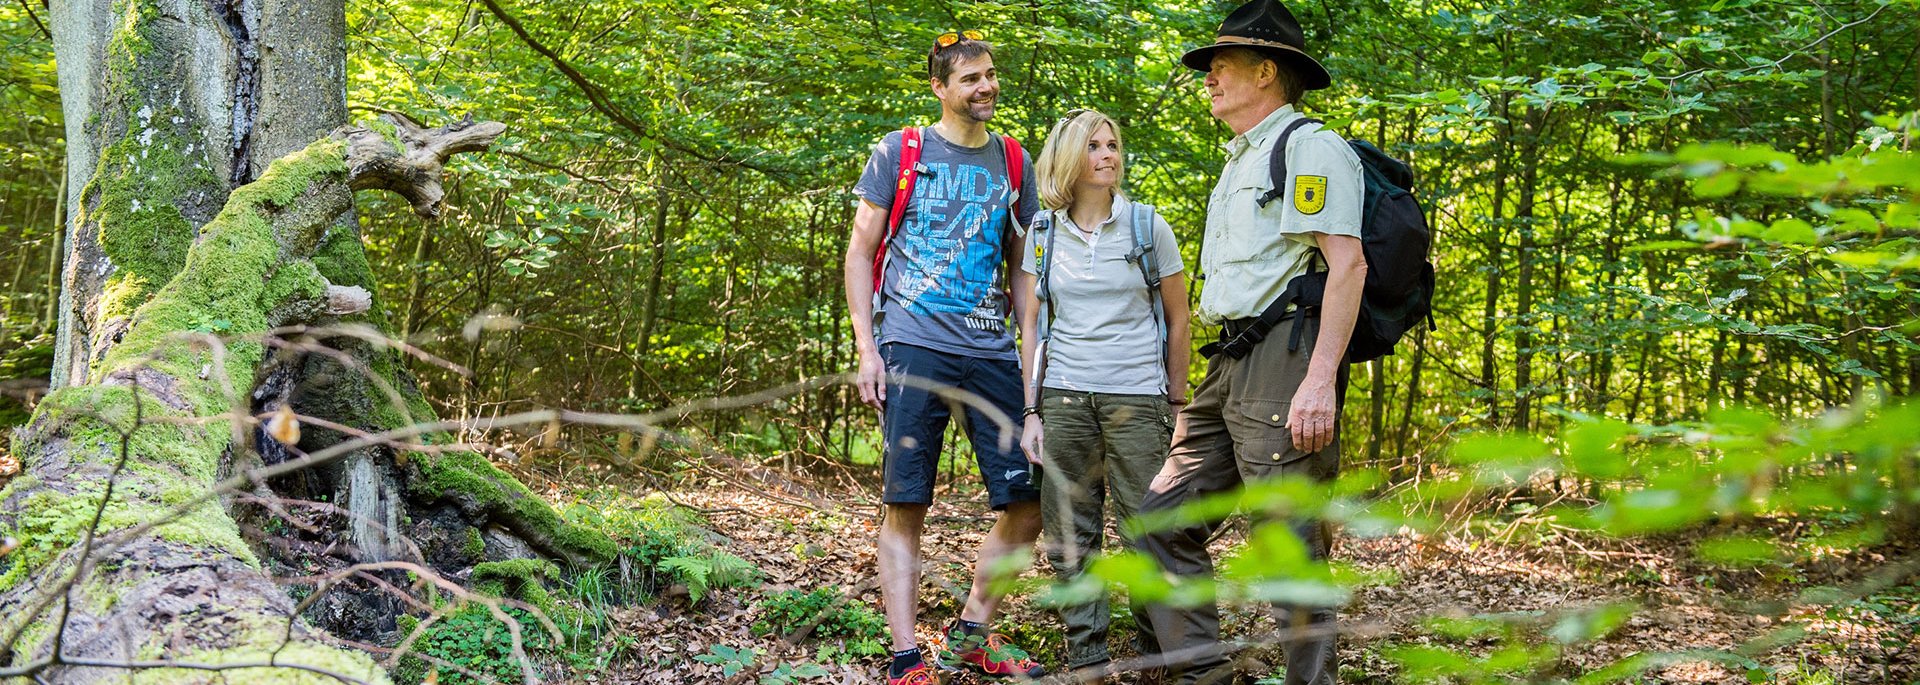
{"type": "Point", "coordinates": [910, 146]}
{"type": "Point", "coordinates": [1016, 170]}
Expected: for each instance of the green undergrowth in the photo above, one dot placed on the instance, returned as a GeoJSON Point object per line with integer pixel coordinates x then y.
{"type": "Point", "coordinates": [846, 630]}
{"type": "Point", "coordinates": [26, 352]}
{"type": "Point", "coordinates": [663, 547]}
{"type": "Point", "coordinates": [472, 638]}
{"type": "Point", "coordinates": [666, 545]}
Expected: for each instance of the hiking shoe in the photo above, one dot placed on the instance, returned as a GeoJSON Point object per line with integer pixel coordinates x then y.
{"type": "Point", "coordinates": [992, 656]}
{"type": "Point", "coordinates": [918, 675]}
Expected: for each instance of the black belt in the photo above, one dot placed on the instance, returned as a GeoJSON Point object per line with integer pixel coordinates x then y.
{"type": "Point", "coordinates": [1238, 336]}
{"type": "Point", "coordinates": [1233, 328]}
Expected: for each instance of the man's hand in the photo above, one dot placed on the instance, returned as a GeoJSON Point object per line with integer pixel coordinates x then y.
{"type": "Point", "coordinates": [871, 378]}
{"type": "Point", "coordinates": [1313, 415]}
{"type": "Point", "coordinates": [1316, 405]}
{"type": "Point", "coordinates": [1030, 439]}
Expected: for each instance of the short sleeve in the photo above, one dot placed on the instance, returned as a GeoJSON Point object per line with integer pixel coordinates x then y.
{"type": "Point", "coordinates": [880, 178]}
{"type": "Point", "coordinates": [1029, 202]}
{"type": "Point", "coordinates": [1324, 187]}
{"type": "Point", "coordinates": [1166, 248]}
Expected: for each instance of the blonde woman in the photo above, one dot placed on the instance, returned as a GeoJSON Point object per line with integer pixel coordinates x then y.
{"type": "Point", "coordinates": [1109, 368]}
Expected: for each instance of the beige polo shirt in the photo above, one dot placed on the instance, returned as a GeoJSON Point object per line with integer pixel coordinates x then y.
{"type": "Point", "coordinates": [1252, 252]}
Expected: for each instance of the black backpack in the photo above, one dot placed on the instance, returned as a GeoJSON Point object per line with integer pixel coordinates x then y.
{"type": "Point", "coordinates": [1396, 240]}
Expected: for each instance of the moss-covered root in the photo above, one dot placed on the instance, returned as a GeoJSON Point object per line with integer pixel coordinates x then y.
{"type": "Point", "coordinates": [485, 493]}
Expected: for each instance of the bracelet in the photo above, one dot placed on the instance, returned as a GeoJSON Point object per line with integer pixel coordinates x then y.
{"type": "Point", "coordinates": [1029, 410]}
{"type": "Point", "coordinates": [1177, 403]}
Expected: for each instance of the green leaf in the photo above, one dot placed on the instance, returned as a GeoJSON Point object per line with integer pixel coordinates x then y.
{"type": "Point", "coordinates": [1737, 551]}
{"type": "Point", "coordinates": [1591, 448]}
{"type": "Point", "coordinates": [1791, 231]}
{"type": "Point", "coordinates": [1663, 245]}
{"type": "Point", "coordinates": [1717, 185]}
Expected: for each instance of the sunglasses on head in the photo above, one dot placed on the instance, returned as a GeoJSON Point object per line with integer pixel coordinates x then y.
{"type": "Point", "coordinates": [946, 40]}
{"type": "Point", "coordinates": [1073, 113]}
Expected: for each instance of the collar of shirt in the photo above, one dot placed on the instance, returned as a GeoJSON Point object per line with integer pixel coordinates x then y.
{"type": "Point", "coordinates": [1261, 133]}
{"type": "Point", "coordinates": [1121, 206]}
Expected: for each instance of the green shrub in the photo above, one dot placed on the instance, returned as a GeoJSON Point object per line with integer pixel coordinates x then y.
{"type": "Point", "coordinates": [854, 629]}
{"type": "Point", "coordinates": [473, 639]}
{"type": "Point", "coordinates": [664, 545]}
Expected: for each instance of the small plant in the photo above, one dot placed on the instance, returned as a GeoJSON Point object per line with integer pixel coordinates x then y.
{"type": "Point", "coordinates": [850, 629]}
{"type": "Point", "coordinates": [788, 674]}
{"type": "Point", "coordinates": [731, 661]}
{"type": "Point", "coordinates": [202, 324]}
{"type": "Point", "coordinates": [595, 590]}
{"type": "Point", "coordinates": [665, 544]}
{"type": "Point", "coordinates": [472, 639]}
{"type": "Point", "coordinates": [710, 570]}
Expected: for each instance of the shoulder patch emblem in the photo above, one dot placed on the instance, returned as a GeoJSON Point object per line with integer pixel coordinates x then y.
{"type": "Point", "coordinates": [1309, 194]}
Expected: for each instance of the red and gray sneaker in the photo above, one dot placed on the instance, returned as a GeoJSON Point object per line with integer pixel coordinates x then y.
{"type": "Point", "coordinates": [990, 655]}
{"type": "Point", "coordinates": [918, 675]}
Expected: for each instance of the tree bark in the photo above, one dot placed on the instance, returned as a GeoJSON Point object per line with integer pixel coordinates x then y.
{"type": "Point", "coordinates": [128, 553]}
{"type": "Point", "coordinates": [650, 305]}
{"type": "Point", "coordinates": [172, 107]}
{"type": "Point", "coordinates": [1523, 215]}
{"type": "Point", "coordinates": [1489, 315]}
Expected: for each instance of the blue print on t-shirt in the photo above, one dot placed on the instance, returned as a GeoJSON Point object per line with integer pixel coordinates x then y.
{"type": "Point", "coordinates": [956, 229]}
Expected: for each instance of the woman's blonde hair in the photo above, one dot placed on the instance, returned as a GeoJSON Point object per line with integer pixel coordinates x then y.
{"type": "Point", "coordinates": [1065, 156]}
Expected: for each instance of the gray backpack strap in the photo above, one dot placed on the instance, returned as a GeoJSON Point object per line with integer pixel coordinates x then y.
{"type": "Point", "coordinates": [1043, 222]}
{"type": "Point", "coordinates": [1145, 251]}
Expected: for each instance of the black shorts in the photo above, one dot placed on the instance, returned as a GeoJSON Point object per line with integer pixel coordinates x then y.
{"type": "Point", "coordinates": [915, 422]}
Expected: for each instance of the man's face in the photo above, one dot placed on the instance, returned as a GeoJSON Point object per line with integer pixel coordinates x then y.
{"type": "Point", "coordinates": [1232, 83]}
{"type": "Point", "coordinates": [971, 89]}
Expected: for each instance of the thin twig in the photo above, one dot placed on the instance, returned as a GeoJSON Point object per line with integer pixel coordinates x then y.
{"type": "Point", "coordinates": [36, 20]}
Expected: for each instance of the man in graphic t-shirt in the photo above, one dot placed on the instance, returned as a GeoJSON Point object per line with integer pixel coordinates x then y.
{"type": "Point", "coordinates": [940, 317]}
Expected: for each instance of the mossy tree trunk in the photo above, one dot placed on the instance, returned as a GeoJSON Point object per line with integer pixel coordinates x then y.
{"type": "Point", "coordinates": [175, 109]}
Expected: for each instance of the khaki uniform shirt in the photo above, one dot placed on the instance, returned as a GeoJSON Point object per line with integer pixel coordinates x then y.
{"type": "Point", "coordinates": [1252, 252]}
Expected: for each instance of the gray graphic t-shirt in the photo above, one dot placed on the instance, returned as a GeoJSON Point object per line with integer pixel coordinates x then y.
{"type": "Point", "coordinates": [943, 283]}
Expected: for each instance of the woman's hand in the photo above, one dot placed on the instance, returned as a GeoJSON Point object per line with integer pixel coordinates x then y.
{"type": "Point", "coordinates": [1030, 439]}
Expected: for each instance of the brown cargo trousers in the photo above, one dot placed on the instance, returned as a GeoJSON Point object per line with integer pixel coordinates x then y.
{"type": "Point", "coordinates": [1101, 450]}
{"type": "Point", "coordinates": [1235, 432]}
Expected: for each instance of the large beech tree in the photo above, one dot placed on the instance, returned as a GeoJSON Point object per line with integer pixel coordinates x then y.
{"type": "Point", "coordinates": [214, 273]}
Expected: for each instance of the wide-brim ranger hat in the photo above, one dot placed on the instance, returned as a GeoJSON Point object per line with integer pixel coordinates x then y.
{"type": "Point", "coordinates": [1267, 26]}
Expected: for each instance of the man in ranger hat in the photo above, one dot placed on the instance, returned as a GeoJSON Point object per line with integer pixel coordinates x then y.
{"type": "Point", "coordinates": [1265, 411]}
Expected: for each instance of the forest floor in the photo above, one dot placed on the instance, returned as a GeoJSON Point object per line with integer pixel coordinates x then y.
{"type": "Point", "coordinates": [1523, 574]}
